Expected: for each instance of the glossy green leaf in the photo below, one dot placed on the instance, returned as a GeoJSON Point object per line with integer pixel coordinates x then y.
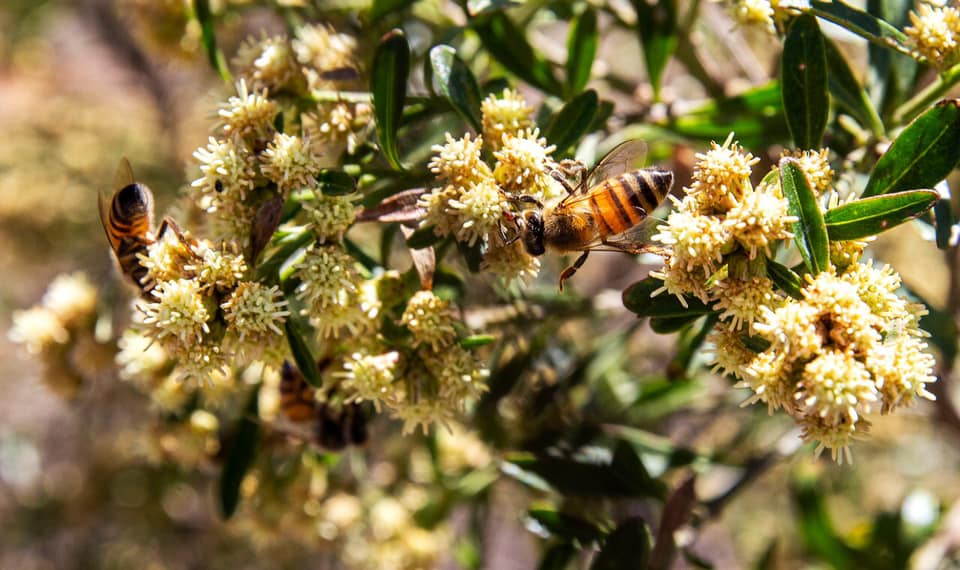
{"type": "Point", "coordinates": [637, 298]}
{"type": "Point", "coordinates": [381, 8]}
{"type": "Point", "coordinates": [208, 35]}
{"type": "Point", "coordinates": [871, 216]}
{"type": "Point", "coordinates": [478, 7]}
{"type": "Point", "coordinates": [366, 260]}
{"type": "Point", "coordinates": [809, 231]}
{"type": "Point", "coordinates": [804, 79]}
{"type": "Point", "coordinates": [302, 355]}
{"type": "Point", "coordinates": [567, 526]}
{"type": "Point", "coordinates": [943, 220]}
{"type": "Point", "coordinates": [391, 66]}
{"type": "Point", "coordinates": [892, 74]}
{"type": "Point", "coordinates": [423, 237]}
{"type": "Point", "coordinates": [509, 46]}
{"type": "Point", "coordinates": [336, 182]}
{"type": "Point", "coordinates": [270, 266]}
{"type": "Point", "coordinates": [581, 49]}
{"type": "Point", "coordinates": [784, 278]}
{"type": "Point", "coordinates": [757, 344]}
{"type": "Point", "coordinates": [239, 454]}
{"type": "Point", "coordinates": [858, 22]}
{"type": "Point", "coordinates": [845, 87]}
{"type": "Point", "coordinates": [572, 121]}
{"type": "Point", "coordinates": [656, 24]}
{"type": "Point", "coordinates": [667, 325]}
{"type": "Point", "coordinates": [454, 80]}
{"type": "Point", "coordinates": [922, 155]}
{"type": "Point", "coordinates": [627, 547]}
{"type": "Point", "coordinates": [477, 340]}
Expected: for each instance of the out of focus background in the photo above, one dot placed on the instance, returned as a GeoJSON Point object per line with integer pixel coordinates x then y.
{"type": "Point", "coordinates": [84, 83]}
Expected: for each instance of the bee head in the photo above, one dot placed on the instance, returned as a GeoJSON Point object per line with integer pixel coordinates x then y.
{"type": "Point", "coordinates": [133, 200]}
{"type": "Point", "coordinates": [532, 231]}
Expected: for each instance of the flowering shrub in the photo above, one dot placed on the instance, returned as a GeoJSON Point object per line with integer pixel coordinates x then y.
{"type": "Point", "coordinates": [351, 331]}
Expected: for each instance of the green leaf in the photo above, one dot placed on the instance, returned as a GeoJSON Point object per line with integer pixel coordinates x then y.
{"type": "Point", "coordinates": [270, 266]}
{"type": "Point", "coordinates": [477, 7]}
{"type": "Point", "coordinates": [871, 216]}
{"type": "Point", "coordinates": [943, 219]}
{"type": "Point", "coordinates": [757, 344]}
{"type": "Point", "coordinates": [656, 25]}
{"type": "Point", "coordinates": [847, 90]}
{"type": "Point", "coordinates": [240, 452]}
{"type": "Point", "coordinates": [423, 238]}
{"type": "Point", "coordinates": [391, 66]}
{"type": "Point", "coordinates": [301, 353]}
{"type": "Point", "coordinates": [859, 22]}
{"type": "Point", "coordinates": [572, 121]}
{"type": "Point", "coordinates": [627, 547]}
{"type": "Point", "coordinates": [208, 34]}
{"type": "Point", "coordinates": [637, 298]}
{"type": "Point", "coordinates": [581, 49]}
{"type": "Point", "coordinates": [784, 278]}
{"type": "Point", "coordinates": [508, 45]}
{"type": "Point", "coordinates": [477, 340]}
{"type": "Point", "coordinates": [472, 255]}
{"type": "Point", "coordinates": [815, 527]}
{"type": "Point", "coordinates": [922, 155]}
{"type": "Point", "coordinates": [667, 325]}
{"type": "Point", "coordinates": [381, 8]}
{"type": "Point", "coordinates": [567, 526]}
{"type": "Point", "coordinates": [809, 231]}
{"type": "Point", "coordinates": [336, 182]}
{"type": "Point", "coordinates": [454, 80]}
{"type": "Point", "coordinates": [804, 78]}
{"type": "Point", "coordinates": [557, 557]}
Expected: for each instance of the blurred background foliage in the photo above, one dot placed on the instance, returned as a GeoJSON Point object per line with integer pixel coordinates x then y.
{"type": "Point", "coordinates": [597, 434]}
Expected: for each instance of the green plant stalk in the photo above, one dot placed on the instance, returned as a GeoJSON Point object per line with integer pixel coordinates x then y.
{"type": "Point", "coordinates": [928, 96]}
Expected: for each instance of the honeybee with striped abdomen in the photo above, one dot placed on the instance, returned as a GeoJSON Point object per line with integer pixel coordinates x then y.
{"type": "Point", "coordinates": [334, 425]}
{"type": "Point", "coordinates": [128, 222]}
{"type": "Point", "coordinates": [603, 212]}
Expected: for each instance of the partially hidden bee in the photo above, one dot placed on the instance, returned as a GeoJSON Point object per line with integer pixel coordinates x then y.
{"type": "Point", "coordinates": [127, 219]}
{"type": "Point", "coordinates": [333, 425]}
{"type": "Point", "coordinates": [603, 212]}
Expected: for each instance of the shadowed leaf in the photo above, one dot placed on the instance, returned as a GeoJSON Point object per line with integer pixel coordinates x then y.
{"type": "Point", "coordinates": [804, 80]}
{"type": "Point", "coordinates": [391, 65]}
{"type": "Point", "coordinates": [573, 121]}
{"type": "Point", "coordinates": [871, 216]}
{"type": "Point", "coordinates": [637, 298]}
{"type": "Point", "coordinates": [508, 45]}
{"type": "Point", "coordinates": [454, 80]}
{"type": "Point", "coordinates": [581, 49]}
{"type": "Point", "coordinates": [239, 456]}
{"type": "Point", "coordinates": [626, 547]}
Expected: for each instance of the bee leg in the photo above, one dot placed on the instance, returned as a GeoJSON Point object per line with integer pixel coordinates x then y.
{"type": "Point", "coordinates": [525, 198]}
{"type": "Point", "coordinates": [169, 223]}
{"type": "Point", "coordinates": [574, 169]}
{"type": "Point", "coordinates": [568, 272]}
{"type": "Point", "coordinates": [562, 179]}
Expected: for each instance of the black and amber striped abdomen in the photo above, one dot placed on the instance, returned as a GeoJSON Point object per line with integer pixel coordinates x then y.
{"type": "Point", "coordinates": [621, 202]}
{"type": "Point", "coordinates": [297, 400]}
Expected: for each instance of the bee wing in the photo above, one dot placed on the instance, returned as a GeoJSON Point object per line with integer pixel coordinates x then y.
{"type": "Point", "coordinates": [123, 176]}
{"type": "Point", "coordinates": [103, 206]}
{"type": "Point", "coordinates": [626, 156]}
{"type": "Point", "coordinates": [637, 239]}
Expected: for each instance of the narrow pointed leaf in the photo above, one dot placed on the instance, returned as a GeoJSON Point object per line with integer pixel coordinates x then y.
{"type": "Point", "coordinates": [336, 182]}
{"type": "Point", "coordinates": [391, 66]}
{"type": "Point", "coordinates": [922, 155]}
{"type": "Point", "coordinates": [784, 278]}
{"type": "Point", "coordinates": [637, 298]}
{"type": "Point", "coordinates": [509, 46]}
{"type": "Point", "coordinates": [626, 547]}
{"type": "Point", "coordinates": [240, 453]}
{"type": "Point", "coordinates": [381, 8]}
{"type": "Point", "coordinates": [567, 526]}
{"type": "Point", "coordinates": [423, 237]}
{"type": "Point", "coordinates": [871, 216]}
{"type": "Point", "coordinates": [667, 325]}
{"type": "Point", "coordinates": [424, 260]}
{"type": "Point", "coordinates": [859, 22]}
{"type": "Point", "coordinates": [477, 340]}
{"type": "Point", "coordinates": [804, 80]}
{"type": "Point", "coordinates": [573, 121]}
{"type": "Point", "coordinates": [809, 231]}
{"type": "Point", "coordinates": [943, 218]}
{"type": "Point", "coordinates": [846, 88]}
{"type": "Point", "coordinates": [302, 355]}
{"type": "Point", "coordinates": [581, 49]}
{"type": "Point", "coordinates": [208, 35]}
{"type": "Point", "coordinates": [657, 26]}
{"type": "Point", "coordinates": [454, 80]}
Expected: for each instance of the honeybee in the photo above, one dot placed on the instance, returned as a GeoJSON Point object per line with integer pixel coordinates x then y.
{"type": "Point", "coordinates": [603, 212]}
{"type": "Point", "coordinates": [128, 223]}
{"type": "Point", "coordinates": [334, 425]}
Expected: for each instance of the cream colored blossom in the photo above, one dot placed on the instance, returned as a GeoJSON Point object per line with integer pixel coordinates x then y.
{"type": "Point", "coordinates": [758, 220]}
{"type": "Point", "coordinates": [249, 114]}
{"type": "Point", "coordinates": [254, 310]}
{"type": "Point", "coordinates": [458, 162]}
{"type": "Point", "coordinates": [430, 319]}
{"type": "Point", "coordinates": [290, 162]}
{"type": "Point", "coordinates": [216, 267]}
{"type": "Point", "coordinates": [228, 172]}
{"type": "Point", "coordinates": [835, 437]}
{"type": "Point", "coordinates": [460, 375]}
{"type": "Point", "coordinates": [524, 165]}
{"type": "Point", "coordinates": [902, 367]}
{"type": "Point", "coordinates": [71, 297]}
{"type": "Point", "coordinates": [721, 176]}
{"type": "Point", "coordinates": [372, 378]}
{"type": "Point", "coordinates": [837, 387]}
{"type": "Point", "coordinates": [326, 274]}
{"type": "Point", "coordinates": [740, 301]}
{"type": "Point", "coordinates": [330, 216]}
{"type": "Point", "coordinates": [730, 355]}
{"type": "Point", "coordinates": [680, 281]}
{"type": "Point", "coordinates": [167, 258]}
{"type": "Point", "coordinates": [179, 312]}
{"type": "Point", "coordinates": [815, 164]}
{"type": "Point", "coordinates": [268, 63]}
{"type": "Point", "coordinates": [757, 13]}
{"type": "Point", "coordinates": [510, 262]}
{"type": "Point", "coordinates": [695, 239]}
{"type": "Point", "coordinates": [767, 375]}
{"type": "Point", "coordinates": [38, 329]}
{"type": "Point", "coordinates": [935, 34]}
{"type": "Point", "coordinates": [505, 115]}
{"type": "Point", "coordinates": [479, 209]}
{"type": "Point", "coordinates": [319, 49]}
{"type": "Point", "coordinates": [140, 359]}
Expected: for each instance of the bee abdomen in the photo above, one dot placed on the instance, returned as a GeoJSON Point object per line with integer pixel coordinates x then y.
{"type": "Point", "coordinates": [296, 396]}
{"type": "Point", "coordinates": [648, 187]}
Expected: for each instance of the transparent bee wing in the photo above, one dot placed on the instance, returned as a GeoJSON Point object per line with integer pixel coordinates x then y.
{"type": "Point", "coordinates": [626, 156]}
{"type": "Point", "coordinates": [637, 239]}
{"type": "Point", "coordinates": [123, 176]}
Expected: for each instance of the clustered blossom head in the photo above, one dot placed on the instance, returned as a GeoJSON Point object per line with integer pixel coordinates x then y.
{"type": "Point", "coordinates": [935, 34]}
{"type": "Point", "coordinates": [473, 200]}
{"type": "Point", "coordinates": [829, 355]}
{"type": "Point", "coordinates": [753, 13]}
